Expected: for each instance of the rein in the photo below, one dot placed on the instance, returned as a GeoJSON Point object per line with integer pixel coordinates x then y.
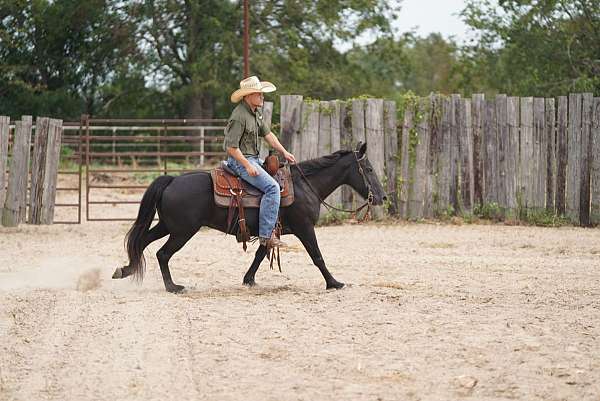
{"type": "Point", "coordinates": [329, 207]}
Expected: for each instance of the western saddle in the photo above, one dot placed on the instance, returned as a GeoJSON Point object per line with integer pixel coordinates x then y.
{"type": "Point", "coordinates": [232, 192]}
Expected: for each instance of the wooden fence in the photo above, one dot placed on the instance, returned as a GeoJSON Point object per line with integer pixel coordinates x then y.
{"type": "Point", "coordinates": [14, 197]}
{"type": "Point", "coordinates": [453, 155]}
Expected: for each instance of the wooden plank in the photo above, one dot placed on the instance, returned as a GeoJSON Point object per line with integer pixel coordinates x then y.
{"type": "Point", "coordinates": [502, 149]}
{"type": "Point", "coordinates": [4, 132]}
{"type": "Point", "coordinates": [16, 194]}
{"type": "Point", "coordinates": [38, 169]}
{"type": "Point", "coordinates": [445, 157]}
{"type": "Point", "coordinates": [291, 123]}
{"type": "Point", "coordinates": [573, 189]}
{"type": "Point", "coordinates": [512, 155]}
{"type": "Point", "coordinates": [562, 154]}
{"type": "Point", "coordinates": [595, 164]}
{"type": "Point", "coordinates": [490, 169]}
{"type": "Point", "coordinates": [539, 154]}
{"type": "Point", "coordinates": [310, 130]}
{"type": "Point", "coordinates": [346, 143]}
{"type": "Point", "coordinates": [433, 157]}
{"type": "Point", "coordinates": [336, 144]}
{"type": "Point", "coordinates": [455, 153]}
{"type": "Point", "coordinates": [324, 137]}
{"type": "Point", "coordinates": [358, 134]}
{"type": "Point", "coordinates": [51, 175]}
{"type": "Point", "coordinates": [419, 173]}
{"type": "Point", "coordinates": [376, 143]}
{"type": "Point", "coordinates": [267, 113]}
{"type": "Point", "coordinates": [465, 136]}
{"type": "Point", "coordinates": [358, 122]}
{"type": "Point", "coordinates": [404, 181]}
{"type": "Point", "coordinates": [478, 104]}
{"type": "Point", "coordinates": [586, 156]}
{"type": "Point", "coordinates": [550, 155]}
{"type": "Point", "coordinates": [526, 153]}
{"type": "Point", "coordinates": [391, 155]}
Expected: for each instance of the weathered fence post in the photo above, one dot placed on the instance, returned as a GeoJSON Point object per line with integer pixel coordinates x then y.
{"type": "Point", "coordinates": [586, 156]}
{"type": "Point", "coordinates": [512, 165]}
{"type": "Point", "coordinates": [431, 204]}
{"type": "Point", "coordinates": [38, 169]}
{"type": "Point", "coordinates": [478, 103]}
{"type": "Point", "coordinates": [490, 139]}
{"type": "Point", "coordinates": [346, 143]}
{"type": "Point", "coordinates": [455, 152]}
{"type": "Point", "coordinates": [15, 205]}
{"type": "Point", "coordinates": [4, 132]}
{"type": "Point", "coordinates": [562, 155]}
{"type": "Point", "coordinates": [358, 127]}
{"type": "Point", "coordinates": [539, 154]}
{"type": "Point", "coordinates": [336, 144]}
{"type": "Point", "coordinates": [467, 175]}
{"type": "Point", "coordinates": [309, 136]}
{"type": "Point", "coordinates": [502, 150]}
{"type": "Point", "coordinates": [267, 113]}
{"type": "Point", "coordinates": [376, 142]}
{"type": "Point", "coordinates": [51, 176]}
{"type": "Point", "coordinates": [573, 193]}
{"type": "Point", "coordinates": [391, 155]}
{"type": "Point", "coordinates": [404, 180]}
{"type": "Point", "coordinates": [551, 155]}
{"type": "Point", "coordinates": [324, 136]}
{"type": "Point", "coordinates": [419, 172]}
{"type": "Point", "coordinates": [291, 123]}
{"type": "Point", "coordinates": [595, 162]}
{"type": "Point", "coordinates": [526, 155]}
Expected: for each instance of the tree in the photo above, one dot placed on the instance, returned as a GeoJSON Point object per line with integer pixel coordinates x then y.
{"type": "Point", "coordinates": [56, 55]}
{"type": "Point", "coordinates": [536, 48]}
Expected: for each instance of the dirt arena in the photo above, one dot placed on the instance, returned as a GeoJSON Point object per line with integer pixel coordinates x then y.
{"type": "Point", "coordinates": [431, 312]}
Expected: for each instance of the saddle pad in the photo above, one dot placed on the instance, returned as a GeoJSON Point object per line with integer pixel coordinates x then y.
{"type": "Point", "coordinates": [224, 183]}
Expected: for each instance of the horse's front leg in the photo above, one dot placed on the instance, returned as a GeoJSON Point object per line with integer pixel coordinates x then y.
{"type": "Point", "coordinates": [309, 239]}
{"type": "Point", "coordinates": [261, 252]}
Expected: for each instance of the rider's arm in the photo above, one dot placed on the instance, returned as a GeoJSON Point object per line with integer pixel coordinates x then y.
{"type": "Point", "coordinates": [241, 159]}
{"type": "Point", "coordinates": [274, 142]}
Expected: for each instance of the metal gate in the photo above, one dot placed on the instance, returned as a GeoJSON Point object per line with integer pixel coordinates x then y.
{"type": "Point", "coordinates": [122, 156]}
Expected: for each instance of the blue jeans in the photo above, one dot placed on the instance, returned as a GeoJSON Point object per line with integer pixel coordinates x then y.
{"type": "Point", "coordinates": [269, 204]}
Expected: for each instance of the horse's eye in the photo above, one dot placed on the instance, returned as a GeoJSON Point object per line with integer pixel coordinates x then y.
{"type": "Point", "coordinates": [369, 169]}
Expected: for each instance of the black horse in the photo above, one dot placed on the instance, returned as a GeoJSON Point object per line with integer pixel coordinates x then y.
{"type": "Point", "coordinates": [186, 203]}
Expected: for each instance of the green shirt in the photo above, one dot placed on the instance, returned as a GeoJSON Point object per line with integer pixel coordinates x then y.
{"type": "Point", "coordinates": [243, 129]}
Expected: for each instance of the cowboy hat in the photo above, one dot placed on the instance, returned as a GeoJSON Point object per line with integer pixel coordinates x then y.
{"type": "Point", "coordinates": [251, 85]}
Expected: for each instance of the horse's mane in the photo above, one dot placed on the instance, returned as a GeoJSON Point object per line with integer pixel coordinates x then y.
{"type": "Point", "coordinates": [313, 166]}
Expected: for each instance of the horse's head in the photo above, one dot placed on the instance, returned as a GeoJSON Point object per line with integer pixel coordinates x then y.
{"type": "Point", "coordinates": [362, 178]}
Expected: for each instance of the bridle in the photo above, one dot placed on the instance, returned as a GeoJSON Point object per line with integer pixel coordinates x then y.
{"type": "Point", "coordinates": [370, 197]}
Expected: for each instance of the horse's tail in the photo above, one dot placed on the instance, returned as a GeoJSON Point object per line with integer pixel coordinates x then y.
{"type": "Point", "coordinates": [135, 236]}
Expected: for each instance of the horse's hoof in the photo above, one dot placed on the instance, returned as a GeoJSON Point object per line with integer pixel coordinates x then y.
{"type": "Point", "coordinates": [175, 289]}
{"type": "Point", "coordinates": [335, 286]}
{"type": "Point", "coordinates": [118, 273]}
{"type": "Point", "coordinates": [249, 283]}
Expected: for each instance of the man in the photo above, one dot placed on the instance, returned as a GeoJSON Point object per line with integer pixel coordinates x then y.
{"type": "Point", "coordinates": [244, 127]}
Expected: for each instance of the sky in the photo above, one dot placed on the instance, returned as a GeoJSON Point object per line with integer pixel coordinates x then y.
{"type": "Point", "coordinates": [430, 16]}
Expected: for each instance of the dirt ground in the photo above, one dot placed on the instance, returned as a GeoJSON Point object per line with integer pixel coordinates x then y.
{"type": "Point", "coordinates": [431, 312]}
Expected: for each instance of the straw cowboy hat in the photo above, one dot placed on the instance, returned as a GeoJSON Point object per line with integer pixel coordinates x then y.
{"type": "Point", "coordinates": [251, 85]}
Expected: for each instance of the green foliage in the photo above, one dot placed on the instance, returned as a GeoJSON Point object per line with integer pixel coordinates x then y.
{"type": "Point", "coordinates": [332, 218]}
{"type": "Point", "coordinates": [488, 211]}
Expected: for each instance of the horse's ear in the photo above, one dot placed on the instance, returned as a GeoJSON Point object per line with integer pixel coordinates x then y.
{"type": "Point", "coordinates": [361, 148]}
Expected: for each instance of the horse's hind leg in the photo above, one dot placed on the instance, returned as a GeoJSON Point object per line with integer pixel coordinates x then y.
{"type": "Point", "coordinates": [155, 233]}
{"type": "Point", "coordinates": [261, 252]}
{"type": "Point", "coordinates": [164, 254]}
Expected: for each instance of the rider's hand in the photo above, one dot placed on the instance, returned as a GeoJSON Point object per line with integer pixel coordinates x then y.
{"type": "Point", "coordinates": [252, 171]}
{"type": "Point", "coordinates": [289, 157]}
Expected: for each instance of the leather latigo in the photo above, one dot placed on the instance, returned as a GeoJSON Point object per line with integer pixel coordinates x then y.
{"type": "Point", "coordinates": [224, 184]}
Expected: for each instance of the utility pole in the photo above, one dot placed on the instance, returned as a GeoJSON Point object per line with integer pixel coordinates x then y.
{"type": "Point", "coordinates": [246, 41]}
